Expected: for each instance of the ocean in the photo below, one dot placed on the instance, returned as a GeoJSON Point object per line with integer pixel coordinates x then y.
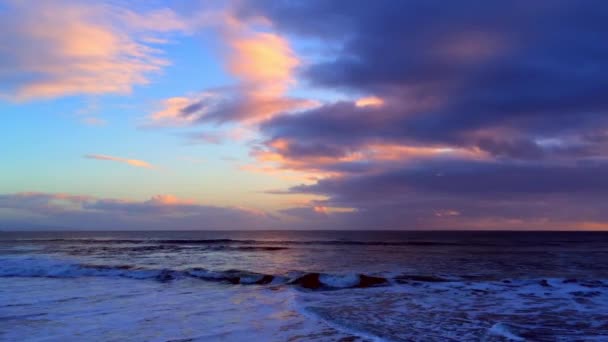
{"type": "Point", "coordinates": [303, 286]}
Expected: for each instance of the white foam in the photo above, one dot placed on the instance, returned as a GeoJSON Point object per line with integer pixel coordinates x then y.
{"type": "Point", "coordinates": [503, 330]}
{"type": "Point", "coordinates": [62, 309]}
{"type": "Point", "coordinates": [339, 281]}
{"type": "Point", "coordinates": [46, 267]}
{"type": "Point", "coordinates": [206, 274]}
{"type": "Point", "coordinates": [466, 310]}
{"type": "Point", "coordinates": [250, 278]}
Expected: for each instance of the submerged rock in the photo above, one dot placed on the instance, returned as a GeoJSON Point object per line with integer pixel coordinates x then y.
{"type": "Point", "coordinates": [266, 279]}
{"type": "Point", "coordinates": [308, 281]}
{"type": "Point", "coordinates": [367, 281]}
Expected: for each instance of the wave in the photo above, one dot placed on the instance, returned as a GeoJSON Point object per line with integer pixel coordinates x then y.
{"type": "Point", "coordinates": [30, 267]}
{"type": "Point", "coordinates": [505, 331]}
{"type": "Point", "coordinates": [249, 242]}
{"type": "Point", "coordinates": [52, 268]}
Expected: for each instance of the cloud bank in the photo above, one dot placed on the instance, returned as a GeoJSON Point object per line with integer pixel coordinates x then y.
{"type": "Point", "coordinates": [493, 112]}
{"type": "Point", "coordinates": [34, 210]}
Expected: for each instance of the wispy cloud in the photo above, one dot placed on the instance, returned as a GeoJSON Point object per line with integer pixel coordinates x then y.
{"type": "Point", "coordinates": [132, 162]}
{"type": "Point", "coordinates": [59, 48]}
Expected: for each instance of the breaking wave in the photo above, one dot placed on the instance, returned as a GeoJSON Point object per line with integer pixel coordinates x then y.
{"type": "Point", "coordinates": [36, 267]}
{"type": "Point", "coordinates": [52, 268]}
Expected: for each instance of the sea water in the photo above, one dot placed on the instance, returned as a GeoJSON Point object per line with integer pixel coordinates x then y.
{"type": "Point", "coordinates": [303, 286]}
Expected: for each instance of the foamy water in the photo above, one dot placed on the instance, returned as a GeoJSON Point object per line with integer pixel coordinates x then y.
{"type": "Point", "coordinates": [324, 286]}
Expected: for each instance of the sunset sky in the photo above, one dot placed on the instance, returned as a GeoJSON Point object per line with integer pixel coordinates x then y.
{"type": "Point", "coordinates": [308, 114]}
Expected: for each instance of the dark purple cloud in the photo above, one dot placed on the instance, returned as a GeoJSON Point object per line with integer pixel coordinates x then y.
{"type": "Point", "coordinates": [521, 84]}
{"type": "Point", "coordinates": [537, 67]}
{"type": "Point", "coordinates": [488, 180]}
{"type": "Point", "coordinates": [455, 194]}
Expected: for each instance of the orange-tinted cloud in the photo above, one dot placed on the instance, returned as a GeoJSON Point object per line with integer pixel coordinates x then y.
{"type": "Point", "coordinates": [173, 110]}
{"type": "Point", "coordinates": [264, 65]}
{"type": "Point", "coordinates": [61, 48]}
{"type": "Point", "coordinates": [264, 60]}
{"type": "Point", "coordinates": [369, 101]}
{"type": "Point", "coordinates": [284, 154]}
{"type": "Point", "coordinates": [169, 200]}
{"type": "Point", "coordinates": [396, 152]}
{"type": "Point", "coordinates": [132, 162]}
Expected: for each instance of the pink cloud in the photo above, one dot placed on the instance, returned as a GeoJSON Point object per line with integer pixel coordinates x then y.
{"type": "Point", "coordinates": [262, 59]}
{"type": "Point", "coordinates": [264, 65]}
{"type": "Point", "coordinates": [369, 101]}
{"type": "Point", "coordinates": [132, 162]}
{"type": "Point", "coordinates": [169, 200]}
{"type": "Point", "coordinates": [68, 48]}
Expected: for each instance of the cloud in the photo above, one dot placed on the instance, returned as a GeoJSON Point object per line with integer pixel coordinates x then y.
{"type": "Point", "coordinates": [487, 180]}
{"type": "Point", "coordinates": [59, 48]}
{"type": "Point", "coordinates": [455, 115]}
{"type": "Point", "coordinates": [180, 110]}
{"type": "Point", "coordinates": [369, 101]}
{"type": "Point", "coordinates": [445, 73]}
{"type": "Point", "coordinates": [264, 60]}
{"type": "Point", "coordinates": [411, 195]}
{"type": "Point", "coordinates": [490, 110]}
{"type": "Point", "coordinates": [263, 64]}
{"type": "Point", "coordinates": [132, 162]}
{"type": "Point", "coordinates": [39, 200]}
{"type": "Point", "coordinates": [158, 212]}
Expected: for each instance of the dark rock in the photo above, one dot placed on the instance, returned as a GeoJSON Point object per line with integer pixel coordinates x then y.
{"type": "Point", "coordinates": [367, 281]}
{"type": "Point", "coordinates": [266, 279]}
{"type": "Point", "coordinates": [308, 281]}
{"type": "Point", "coordinates": [233, 280]}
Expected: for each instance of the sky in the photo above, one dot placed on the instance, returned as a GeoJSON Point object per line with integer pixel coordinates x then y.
{"type": "Point", "coordinates": [304, 114]}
